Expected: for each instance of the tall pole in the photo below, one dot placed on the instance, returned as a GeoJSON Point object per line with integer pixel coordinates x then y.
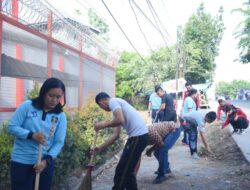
{"type": "Point", "coordinates": [177, 63]}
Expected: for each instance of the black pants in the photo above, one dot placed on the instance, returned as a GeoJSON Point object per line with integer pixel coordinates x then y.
{"type": "Point", "coordinates": [191, 129]}
{"type": "Point", "coordinates": [124, 173]}
{"type": "Point", "coordinates": [170, 116]}
{"type": "Point", "coordinates": [23, 176]}
{"type": "Point", "coordinates": [240, 123]}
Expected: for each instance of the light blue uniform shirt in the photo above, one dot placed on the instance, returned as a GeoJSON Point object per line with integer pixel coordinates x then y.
{"type": "Point", "coordinates": [155, 101]}
{"type": "Point", "coordinates": [28, 119]}
{"type": "Point", "coordinates": [189, 103]}
{"type": "Point", "coordinates": [199, 117]}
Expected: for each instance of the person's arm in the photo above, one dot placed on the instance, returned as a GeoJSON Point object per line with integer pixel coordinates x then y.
{"type": "Point", "coordinates": [153, 148]}
{"type": "Point", "coordinates": [163, 105]}
{"type": "Point", "coordinates": [225, 123]}
{"type": "Point", "coordinates": [198, 102]}
{"type": "Point", "coordinates": [149, 107]}
{"type": "Point", "coordinates": [184, 97]}
{"type": "Point", "coordinates": [15, 125]}
{"type": "Point", "coordinates": [204, 141]}
{"type": "Point", "coordinates": [118, 120]}
{"type": "Point", "coordinates": [218, 113]}
{"type": "Point", "coordinates": [156, 141]}
{"type": "Point", "coordinates": [115, 135]}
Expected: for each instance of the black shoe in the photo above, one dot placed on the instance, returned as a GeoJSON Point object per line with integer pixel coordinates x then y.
{"type": "Point", "coordinates": [159, 179]}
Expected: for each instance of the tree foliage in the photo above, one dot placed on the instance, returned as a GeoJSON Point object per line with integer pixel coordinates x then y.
{"type": "Point", "coordinates": [243, 33]}
{"type": "Point", "coordinates": [34, 92]}
{"type": "Point", "coordinates": [134, 76]}
{"type": "Point", "coordinates": [231, 88]}
{"type": "Point", "coordinates": [99, 24]}
{"type": "Point", "coordinates": [201, 38]}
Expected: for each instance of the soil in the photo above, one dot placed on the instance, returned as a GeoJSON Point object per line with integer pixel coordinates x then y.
{"type": "Point", "coordinates": [224, 169]}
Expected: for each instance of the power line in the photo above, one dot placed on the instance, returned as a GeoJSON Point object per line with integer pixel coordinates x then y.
{"type": "Point", "coordinates": [137, 21]}
{"type": "Point", "coordinates": [159, 20]}
{"type": "Point", "coordinates": [151, 22]}
{"type": "Point", "coordinates": [162, 35]}
{"type": "Point", "coordinates": [123, 32]}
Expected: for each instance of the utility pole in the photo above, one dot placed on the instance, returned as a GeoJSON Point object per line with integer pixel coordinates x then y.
{"type": "Point", "coordinates": [178, 52]}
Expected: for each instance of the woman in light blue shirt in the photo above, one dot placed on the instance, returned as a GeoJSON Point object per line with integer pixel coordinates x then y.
{"type": "Point", "coordinates": [40, 120]}
{"type": "Point", "coordinates": [189, 103]}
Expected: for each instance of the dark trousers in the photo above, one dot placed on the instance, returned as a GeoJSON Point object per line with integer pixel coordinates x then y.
{"type": "Point", "coordinates": [23, 176]}
{"type": "Point", "coordinates": [170, 116]}
{"type": "Point", "coordinates": [240, 123]}
{"type": "Point", "coordinates": [185, 137]}
{"type": "Point", "coordinates": [124, 173]}
{"type": "Point", "coordinates": [159, 117]}
{"type": "Point", "coordinates": [191, 129]}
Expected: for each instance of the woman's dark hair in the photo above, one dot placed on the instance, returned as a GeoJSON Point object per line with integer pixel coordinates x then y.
{"type": "Point", "coordinates": [192, 91]}
{"type": "Point", "coordinates": [101, 96]}
{"type": "Point", "coordinates": [50, 83]}
{"type": "Point", "coordinates": [230, 107]}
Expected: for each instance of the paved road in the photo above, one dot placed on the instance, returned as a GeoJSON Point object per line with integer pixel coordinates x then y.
{"type": "Point", "coordinates": [243, 140]}
{"type": "Point", "coordinates": [225, 172]}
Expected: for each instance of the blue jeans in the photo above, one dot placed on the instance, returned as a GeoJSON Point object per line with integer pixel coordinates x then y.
{"type": "Point", "coordinates": [162, 153]}
{"type": "Point", "coordinates": [191, 129]}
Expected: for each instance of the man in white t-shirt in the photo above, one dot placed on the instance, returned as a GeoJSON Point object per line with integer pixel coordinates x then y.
{"type": "Point", "coordinates": [126, 116]}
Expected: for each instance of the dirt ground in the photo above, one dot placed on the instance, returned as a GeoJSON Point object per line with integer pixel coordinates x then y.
{"type": "Point", "coordinates": [225, 169]}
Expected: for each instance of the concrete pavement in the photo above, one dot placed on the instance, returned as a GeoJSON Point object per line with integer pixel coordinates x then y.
{"type": "Point", "coordinates": [243, 140]}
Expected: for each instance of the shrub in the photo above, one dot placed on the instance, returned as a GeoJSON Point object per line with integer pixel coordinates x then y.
{"type": "Point", "coordinates": [6, 143]}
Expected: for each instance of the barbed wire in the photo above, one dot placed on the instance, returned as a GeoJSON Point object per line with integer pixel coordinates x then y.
{"type": "Point", "coordinates": [34, 14]}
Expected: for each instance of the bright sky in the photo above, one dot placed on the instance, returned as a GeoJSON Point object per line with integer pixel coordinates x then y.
{"type": "Point", "coordinates": [171, 13]}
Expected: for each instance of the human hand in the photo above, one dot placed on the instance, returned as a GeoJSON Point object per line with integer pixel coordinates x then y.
{"type": "Point", "coordinates": [95, 151]}
{"type": "Point", "coordinates": [209, 150]}
{"type": "Point", "coordinates": [40, 167]}
{"type": "Point", "coordinates": [149, 114]}
{"type": "Point", "coordinates": [39, 137]}
{"type": "Point", "coordinates": [99, 125]}
{"type": "Point", "coordinates": [236, 117]}
{"type": "Point", "coordinates": [149, 152]}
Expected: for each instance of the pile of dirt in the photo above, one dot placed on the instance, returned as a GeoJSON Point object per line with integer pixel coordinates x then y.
{"type": "Point", "coordinates": [226, 151]}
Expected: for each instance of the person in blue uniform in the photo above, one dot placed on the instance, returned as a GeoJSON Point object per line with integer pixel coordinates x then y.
{"type": "Point", "coordinates": [40, 120]}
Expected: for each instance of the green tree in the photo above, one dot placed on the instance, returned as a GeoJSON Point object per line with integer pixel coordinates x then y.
{"type": "Point", "coordinates": [34, 92]}
{"type": "Point", "coordinates": [134, 76]}
{"type": "Point", "coordinates": [99, 24]}
{"type": "Point", "coordinates": [201, 38]}
{"type": "Point", "coordinates": [243, 33]}
{"type": "Point", "coordinates": [231, 88]}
